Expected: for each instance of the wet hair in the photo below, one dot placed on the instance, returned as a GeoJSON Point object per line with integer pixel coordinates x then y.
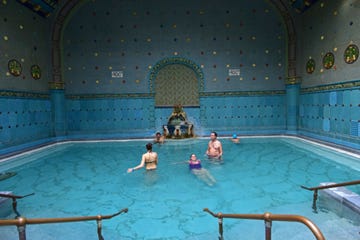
{"type": "Point", "coordinates": [214, 133]}
{"type": "Point", "coordinates": [157, 133]}
{"type": "Point", "coordinates": [191, 155]}
{"type": "Point", "coordinates": [149, 146]}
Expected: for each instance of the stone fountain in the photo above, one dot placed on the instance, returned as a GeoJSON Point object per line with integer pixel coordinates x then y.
{"type": "Point", "coordinates": [178, 125]}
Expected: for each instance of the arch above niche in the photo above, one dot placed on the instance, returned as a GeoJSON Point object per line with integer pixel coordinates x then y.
{"type": "Point", "coordinates": [175, 60]}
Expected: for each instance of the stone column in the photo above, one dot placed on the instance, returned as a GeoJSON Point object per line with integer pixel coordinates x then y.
{"type": "Point", "coordinates": [58, 106]}
{"type": "Point", "coordinates": [292, 105]}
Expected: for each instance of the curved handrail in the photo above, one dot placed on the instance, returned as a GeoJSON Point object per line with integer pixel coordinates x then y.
{"type": "Point", "coordinates": [14, 203]}
{"type": "Point", "coordinates": [268, 217]}
{"type": "Point", "coordinates": [9, 195]}
{"type": "Point", "coordinates": [21, 222]}
{"type": "Point", "coordinates": [331, 185]}
{"type": "Point", "coordinates": [315, 189]}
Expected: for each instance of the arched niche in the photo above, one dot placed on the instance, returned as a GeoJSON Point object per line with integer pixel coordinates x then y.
{"type": "Point", "coordinates": [176, 81]}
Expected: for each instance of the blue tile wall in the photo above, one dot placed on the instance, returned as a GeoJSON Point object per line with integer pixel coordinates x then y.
{"type": "Point", "coordinates": [132, 36]}
{"type": "Point", "coordinates": [103, 36]}
{"type": "Point", "coordinates": [25, 37]}
{"type": "Point", "coordinates": [24, 120]}
{"type": "Point", "coordinates": [246, 115]}
{"type": "Point", "coordinates": [331, 114]}
{"type": "Point", "coordinates": [115, 116]}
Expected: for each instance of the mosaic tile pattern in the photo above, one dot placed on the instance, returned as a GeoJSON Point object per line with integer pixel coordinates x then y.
{"type": "Point", "coordinates": [176, 84]}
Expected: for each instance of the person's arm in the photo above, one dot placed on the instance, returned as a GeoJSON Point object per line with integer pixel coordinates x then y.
{"type": "Point", "coordinates": [220, 149]}
{"type": "Point", "coordinates": [208, 149]}
{"type": "Point", "coordinates": [142, 163]}
{"type": "Point", "coordinates": [156, 158]}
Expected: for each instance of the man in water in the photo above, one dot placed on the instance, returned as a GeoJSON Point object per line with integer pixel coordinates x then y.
{"type": "Point", "coordinates": [214, 147]}
{"type": "Point", "coordinates": [159, 138]}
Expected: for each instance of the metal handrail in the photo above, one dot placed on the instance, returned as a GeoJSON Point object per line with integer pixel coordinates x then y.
{"type": "Point", "coordinates": [315, 189]}
{"type": "Point", "coordinates": [21, 222]}
{"type": "Point", "coordinates": [14, 203]}
{"type": "Point", "coordinates": [268, 218]}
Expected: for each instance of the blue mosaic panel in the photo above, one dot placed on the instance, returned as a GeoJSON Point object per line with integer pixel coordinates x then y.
{"type": "Point", "coordinates": [24, 120]}
{"type": "Point", "coordinates": [335, 113]}
{"type": "Point", "coordinates": [355, 128]}
{"type": "Point", "coordinates": [100, 116]}
{"type": "Point", "coordinates": [244, 114]}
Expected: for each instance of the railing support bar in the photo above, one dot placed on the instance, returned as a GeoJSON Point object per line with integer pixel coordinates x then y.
{"type": "Point", "coordinates": [314, 200]}
{"type": "Point", "coordinates": [268, 224]}
{"type": "Point", "coordinates": [99, 224]}
{"type": "Point", "coordinates": [221, 236]}
{"type": "Point", "coordinates": [21, 227]}
{"type": "Point", "coordinates": [22, 232]}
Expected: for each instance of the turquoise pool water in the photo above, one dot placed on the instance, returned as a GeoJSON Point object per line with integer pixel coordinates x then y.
{"type": "Point", "coordinates": [258, 175]}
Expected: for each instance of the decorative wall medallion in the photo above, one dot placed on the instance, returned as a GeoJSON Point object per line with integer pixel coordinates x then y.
{"type": "Point", "coordinates": [310, 66]}
{"type": "Point", "coordinates": [328, 60]}
{"type": "Point", "coordinates": [35, 72]}
{"type": "Point", "coordinates": [351, 53]}
{"type": "Point", "coordinates": [14, 67]}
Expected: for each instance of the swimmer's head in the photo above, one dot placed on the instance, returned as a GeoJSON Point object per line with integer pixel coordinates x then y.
{"type": "Point", "coordinates": [149, 146]}
{"type": "Point", "coordinates": [157, 133]}
{"type": "Point", "coordinates": [234, 136]}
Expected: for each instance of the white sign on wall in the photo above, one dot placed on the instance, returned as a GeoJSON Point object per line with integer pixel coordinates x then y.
{"type": "Point", "coordinates": [117, 74]}
{"type": "Point", "coordinates": [234, 72]}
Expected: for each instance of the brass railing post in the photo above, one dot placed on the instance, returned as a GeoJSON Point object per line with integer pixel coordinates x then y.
{"type": "Point", "coordinates": [314, 200]}
{"type": "Point", "coordinates": [99, 224]}
{"type": "Point", "coordinates": [268, 224]}
{"type": "Point", "coordinates": [22, 228]}
{"type": "Point", "coordinates": [221, 236]}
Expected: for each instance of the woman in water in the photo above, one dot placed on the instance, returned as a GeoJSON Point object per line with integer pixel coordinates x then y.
{"type": "Point", "coordinates": [199, 171]}
{"type": "Point", "coordinates": [149, 160]}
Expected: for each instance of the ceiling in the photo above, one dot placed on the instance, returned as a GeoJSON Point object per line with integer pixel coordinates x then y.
{"type": "Point", "coordinates": [301, 5]}
{"type": "Point", "coordinates": [42, 7]}
{"type": "Point", "coordinates": [45, 7]}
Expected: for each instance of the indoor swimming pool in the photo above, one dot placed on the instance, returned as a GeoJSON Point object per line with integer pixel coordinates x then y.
{"type": "Point", "coordinates": [257, 175]}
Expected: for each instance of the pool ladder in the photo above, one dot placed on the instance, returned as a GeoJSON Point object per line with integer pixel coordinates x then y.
{"type": "Point", "coordinates": [14, 202]}
{"type": "Point", "coordinates": [268, 218]}
{"type": "Point", "coordinates": [315, 189]}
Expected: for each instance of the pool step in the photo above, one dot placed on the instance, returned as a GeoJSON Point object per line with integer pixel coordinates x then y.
{"type": "Point", "coordinates": [347, 202]}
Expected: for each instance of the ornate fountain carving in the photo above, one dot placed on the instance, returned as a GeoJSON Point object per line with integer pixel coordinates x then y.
{"type": "Point", "coordinates": [178, 125]}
